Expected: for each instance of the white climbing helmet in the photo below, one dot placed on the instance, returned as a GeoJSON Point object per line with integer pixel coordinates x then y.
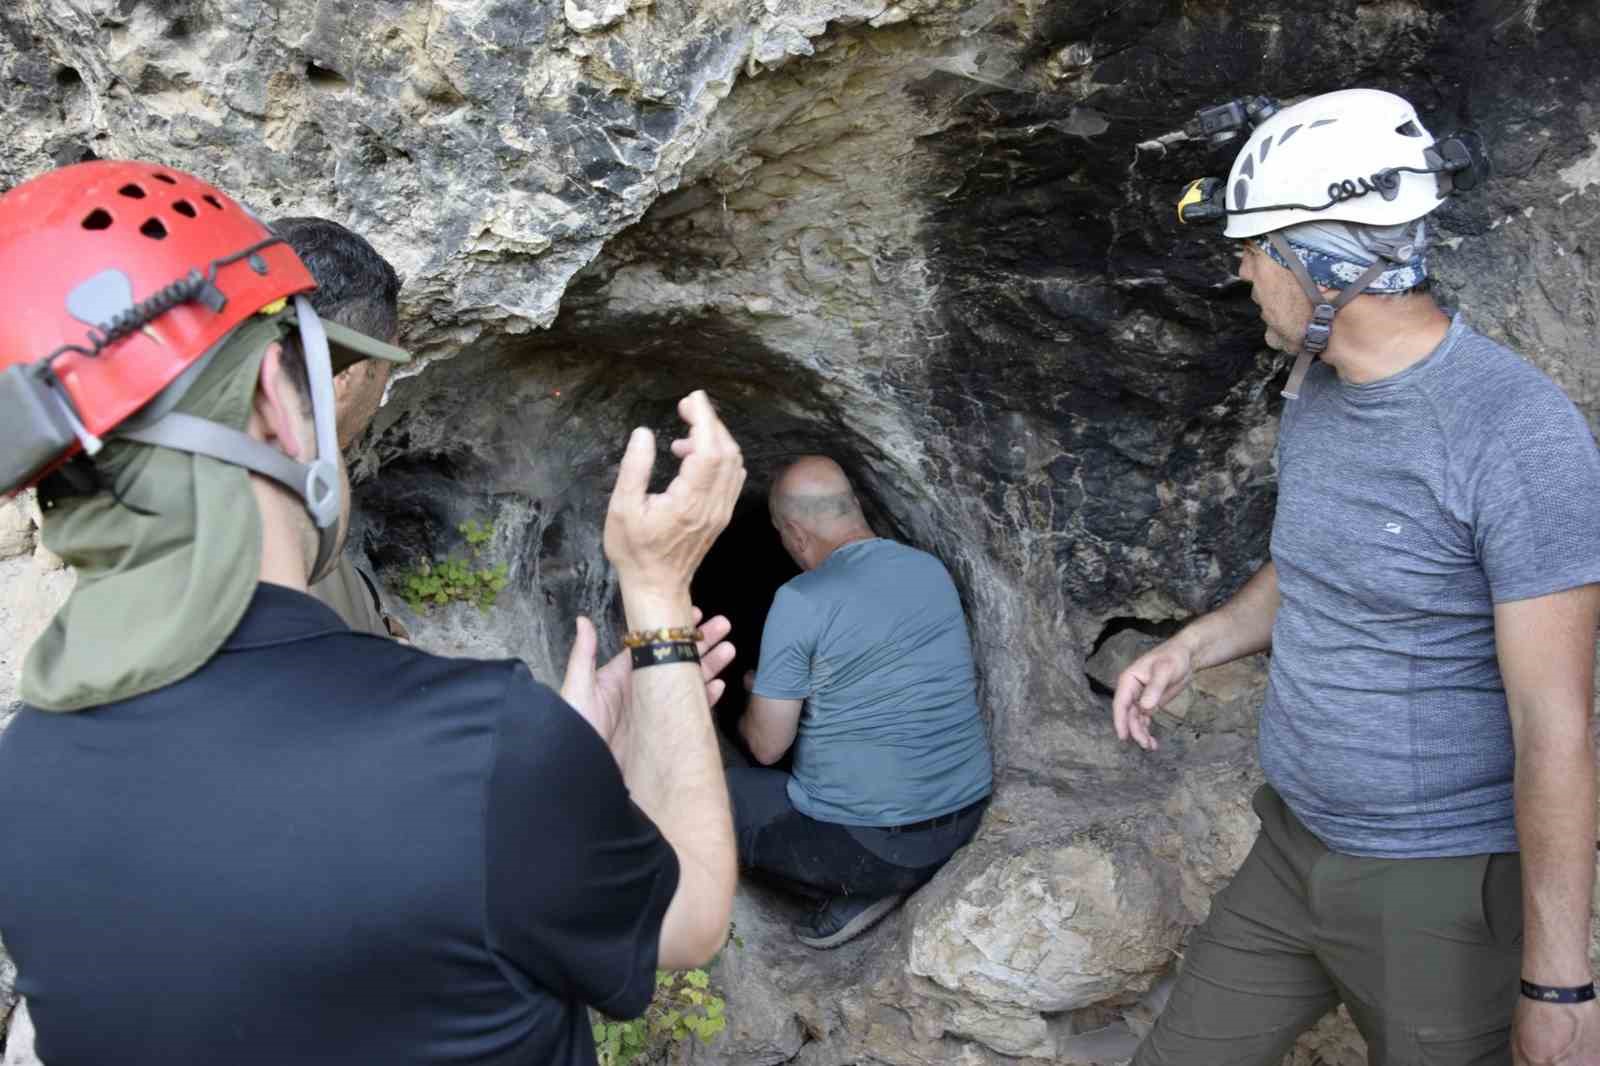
{"type": "Point", "coordinates": [1357, 155]}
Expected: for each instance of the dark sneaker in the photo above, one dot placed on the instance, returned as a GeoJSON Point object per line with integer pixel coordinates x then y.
{"type": "Point", "coordinates": [843, 918]}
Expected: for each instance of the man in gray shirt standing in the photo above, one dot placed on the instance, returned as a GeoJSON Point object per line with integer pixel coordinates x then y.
{"type": "Point", "coordinates": [866, 672]}
{"type": "Point", "coordinates": [1427, 842]}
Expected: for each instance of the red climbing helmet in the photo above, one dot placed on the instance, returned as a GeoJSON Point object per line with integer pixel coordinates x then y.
{"type": "Point", "coordinates": [117, 278]}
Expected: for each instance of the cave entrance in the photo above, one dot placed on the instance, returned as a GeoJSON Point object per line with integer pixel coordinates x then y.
{"type": "Point", "coordinates": [740, 575]}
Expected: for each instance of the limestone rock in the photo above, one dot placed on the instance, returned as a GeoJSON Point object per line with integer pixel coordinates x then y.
{"type": "Point", "coordinates": [20, 1039]}
{"type": "Point", "coordinates": [16, 529]}
{"type": "Point", "coordinates": [586, 16]}
{"type": "Point", "coordinates": [1334, 1042]}
{"type": "Point", "coordinates": [8, 987]}
{"type": "Point", "coordinates": [1052, 929]}
{"type": "Point", "coordinates": [46, 560]}
{"type": "Point", "coordinates": [29, 598]}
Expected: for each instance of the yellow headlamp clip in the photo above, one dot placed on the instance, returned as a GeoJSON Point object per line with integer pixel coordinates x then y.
{"type": "Point", "coordinates": [1203, 201]}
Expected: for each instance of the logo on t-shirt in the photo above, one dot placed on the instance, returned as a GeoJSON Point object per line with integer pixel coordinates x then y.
{"type": "Point", "coordinates": [1392, 527]}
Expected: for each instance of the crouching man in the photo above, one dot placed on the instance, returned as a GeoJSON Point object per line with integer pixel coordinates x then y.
{"type": "Point", "coordinates": [866, 673]}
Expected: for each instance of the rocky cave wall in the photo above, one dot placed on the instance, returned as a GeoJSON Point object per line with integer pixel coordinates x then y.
{"type": "Point", "coordinates": [918, 236]}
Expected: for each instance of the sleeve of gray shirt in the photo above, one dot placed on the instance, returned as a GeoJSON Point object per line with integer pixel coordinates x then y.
{"type": "Point", "coordinates": [787, 642]}
{"type": "Point", "coordinates": [1534, 501]}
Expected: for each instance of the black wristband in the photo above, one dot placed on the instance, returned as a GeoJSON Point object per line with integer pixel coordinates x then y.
{"type": "Point", "coordinates": [1548, 994]}
{"type": "Point", "coordinates": [663, 652]}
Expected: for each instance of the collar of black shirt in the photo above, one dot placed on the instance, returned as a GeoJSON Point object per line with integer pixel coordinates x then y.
{"type": "Point", "coordinates": [280, 615]}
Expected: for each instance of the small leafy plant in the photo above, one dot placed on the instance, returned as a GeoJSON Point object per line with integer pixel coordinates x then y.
{"type": "Point", "coordinates": [684, 1007]}
{"type": "Point", "coordinates": [476, 533]}
{"type": "Point", "coordinates": [434, 584]}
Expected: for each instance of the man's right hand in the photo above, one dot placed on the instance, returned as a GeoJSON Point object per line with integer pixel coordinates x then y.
{"type": "Point", "coordinates": [1149, 684]}
{"type": "Point", "coordinates": [656, 542]}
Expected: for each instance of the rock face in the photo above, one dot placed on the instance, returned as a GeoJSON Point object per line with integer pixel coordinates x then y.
{"type": "Point", "coordinates": [923, 237]}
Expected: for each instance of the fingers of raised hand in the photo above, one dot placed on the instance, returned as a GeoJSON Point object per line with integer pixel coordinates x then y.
{"type": "Point", "coordinates": [696, 410]}
{"type": "Point", "coordinates": [633, 473]}
{"type": "Point", "coordinates": [714, 691]}
{"type": "Point", "coordinates": [711, 457]}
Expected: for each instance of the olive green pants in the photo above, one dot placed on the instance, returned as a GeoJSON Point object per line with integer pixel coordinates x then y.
{"type": "Point", "coordinates": [1425, 953]}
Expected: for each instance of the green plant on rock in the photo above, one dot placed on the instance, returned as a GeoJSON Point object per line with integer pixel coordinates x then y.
{"type": "Point", "coordinates": [434, 584]}
{"type": "Point", "coordinates": [684, 1008]}
{"type": "Point", "coordinates": [477, 533]}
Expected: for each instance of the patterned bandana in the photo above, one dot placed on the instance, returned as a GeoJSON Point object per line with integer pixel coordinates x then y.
{"type": "Point", "coordinates": [1336, 254]}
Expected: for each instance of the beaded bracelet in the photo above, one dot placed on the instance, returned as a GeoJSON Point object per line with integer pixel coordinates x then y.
{"type": "Point", "coordinates": [1548, 994]}
{"type": "Point", "coordinates": [660, 653]}
{"type": "Point", "coordinates": [638, 638]}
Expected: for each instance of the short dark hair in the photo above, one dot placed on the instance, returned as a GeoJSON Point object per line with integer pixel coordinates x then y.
{"type": "Point", "coordinates": [356, 287]}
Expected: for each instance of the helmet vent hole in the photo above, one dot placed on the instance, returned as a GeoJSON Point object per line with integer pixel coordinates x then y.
{"type": "Point", "coordinates": [131, 191]}
{"type": "Point", "coordinates": [1290, 132]}
{"type": "Point", "coordinates": [1249, 168]}
{"type": "Point", "coordinates": [185, 208]}
{"type": "Point", "coordinates": [1241, 193]}
{"type": "Point", "coordinates": [99, 218]}
{"type": "Point", "coordinates": [154, 229]}
{"type": "Point", "coordinates": [213, 201]}
{"type": "Point", "coordinates": [166, 178]}
{"type": "Point", "coordinates": [1408, 129]}
{"type": "Point", "coordinates": [1323, 122]}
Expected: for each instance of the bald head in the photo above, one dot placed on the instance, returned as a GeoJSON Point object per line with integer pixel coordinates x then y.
{"type": "Point", "coordinates": [814, 492]}
{"type": "Point", "coordinates": [815, 509]}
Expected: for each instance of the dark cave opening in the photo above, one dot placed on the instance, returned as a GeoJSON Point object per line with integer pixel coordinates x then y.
{"type": "Point", "coordinates": [1160, 628]}
{"type": "Point", "coordinates": [738, 578]}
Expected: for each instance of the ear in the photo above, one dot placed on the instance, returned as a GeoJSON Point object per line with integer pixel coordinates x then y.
{"type": "Point", "coordinates": [277, 412]}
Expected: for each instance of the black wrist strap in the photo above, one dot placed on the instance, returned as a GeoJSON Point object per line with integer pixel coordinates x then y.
{"type": "Point", "coordinates": [1549, 994]}
{"type": "Point", "coordinates": [664, 652]}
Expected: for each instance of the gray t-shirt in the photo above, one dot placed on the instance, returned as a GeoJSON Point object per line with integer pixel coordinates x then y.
{"type": "Point", "coordinates": [875, 642]}
{"type": "Point", "coordinates": [1407, 508]}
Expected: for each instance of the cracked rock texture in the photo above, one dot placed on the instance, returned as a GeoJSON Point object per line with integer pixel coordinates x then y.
{"type": "Point", "coordinates": [918, 236]}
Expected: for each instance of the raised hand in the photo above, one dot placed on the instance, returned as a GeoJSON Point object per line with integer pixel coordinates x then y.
{"type": "Point", "coordinates": [656, 542]}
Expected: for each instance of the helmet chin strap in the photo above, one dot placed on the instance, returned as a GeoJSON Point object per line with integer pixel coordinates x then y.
{"type": "Point", "coordinates": [317, 483]}
{"type": "Point", "coordinates": [323, 489]}
{"type": "Point", "coordinates": [1320, 328]}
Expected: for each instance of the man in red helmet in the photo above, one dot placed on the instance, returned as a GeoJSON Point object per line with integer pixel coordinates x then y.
{"type": "Point", "coordinates": [235, 831]}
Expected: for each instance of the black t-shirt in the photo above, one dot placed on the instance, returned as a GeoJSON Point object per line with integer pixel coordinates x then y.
{"type": "Point", "coordinates": [325, 847]}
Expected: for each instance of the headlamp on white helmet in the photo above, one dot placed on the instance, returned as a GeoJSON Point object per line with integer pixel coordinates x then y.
{"type": "Point", "coordinates": [1359, 156]}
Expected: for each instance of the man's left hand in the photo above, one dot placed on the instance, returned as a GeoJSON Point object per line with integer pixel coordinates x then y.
{"type": "Point", "coordinates": [601, 696]}
{"type": "Point", "coordinates": [1556, 1034]}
